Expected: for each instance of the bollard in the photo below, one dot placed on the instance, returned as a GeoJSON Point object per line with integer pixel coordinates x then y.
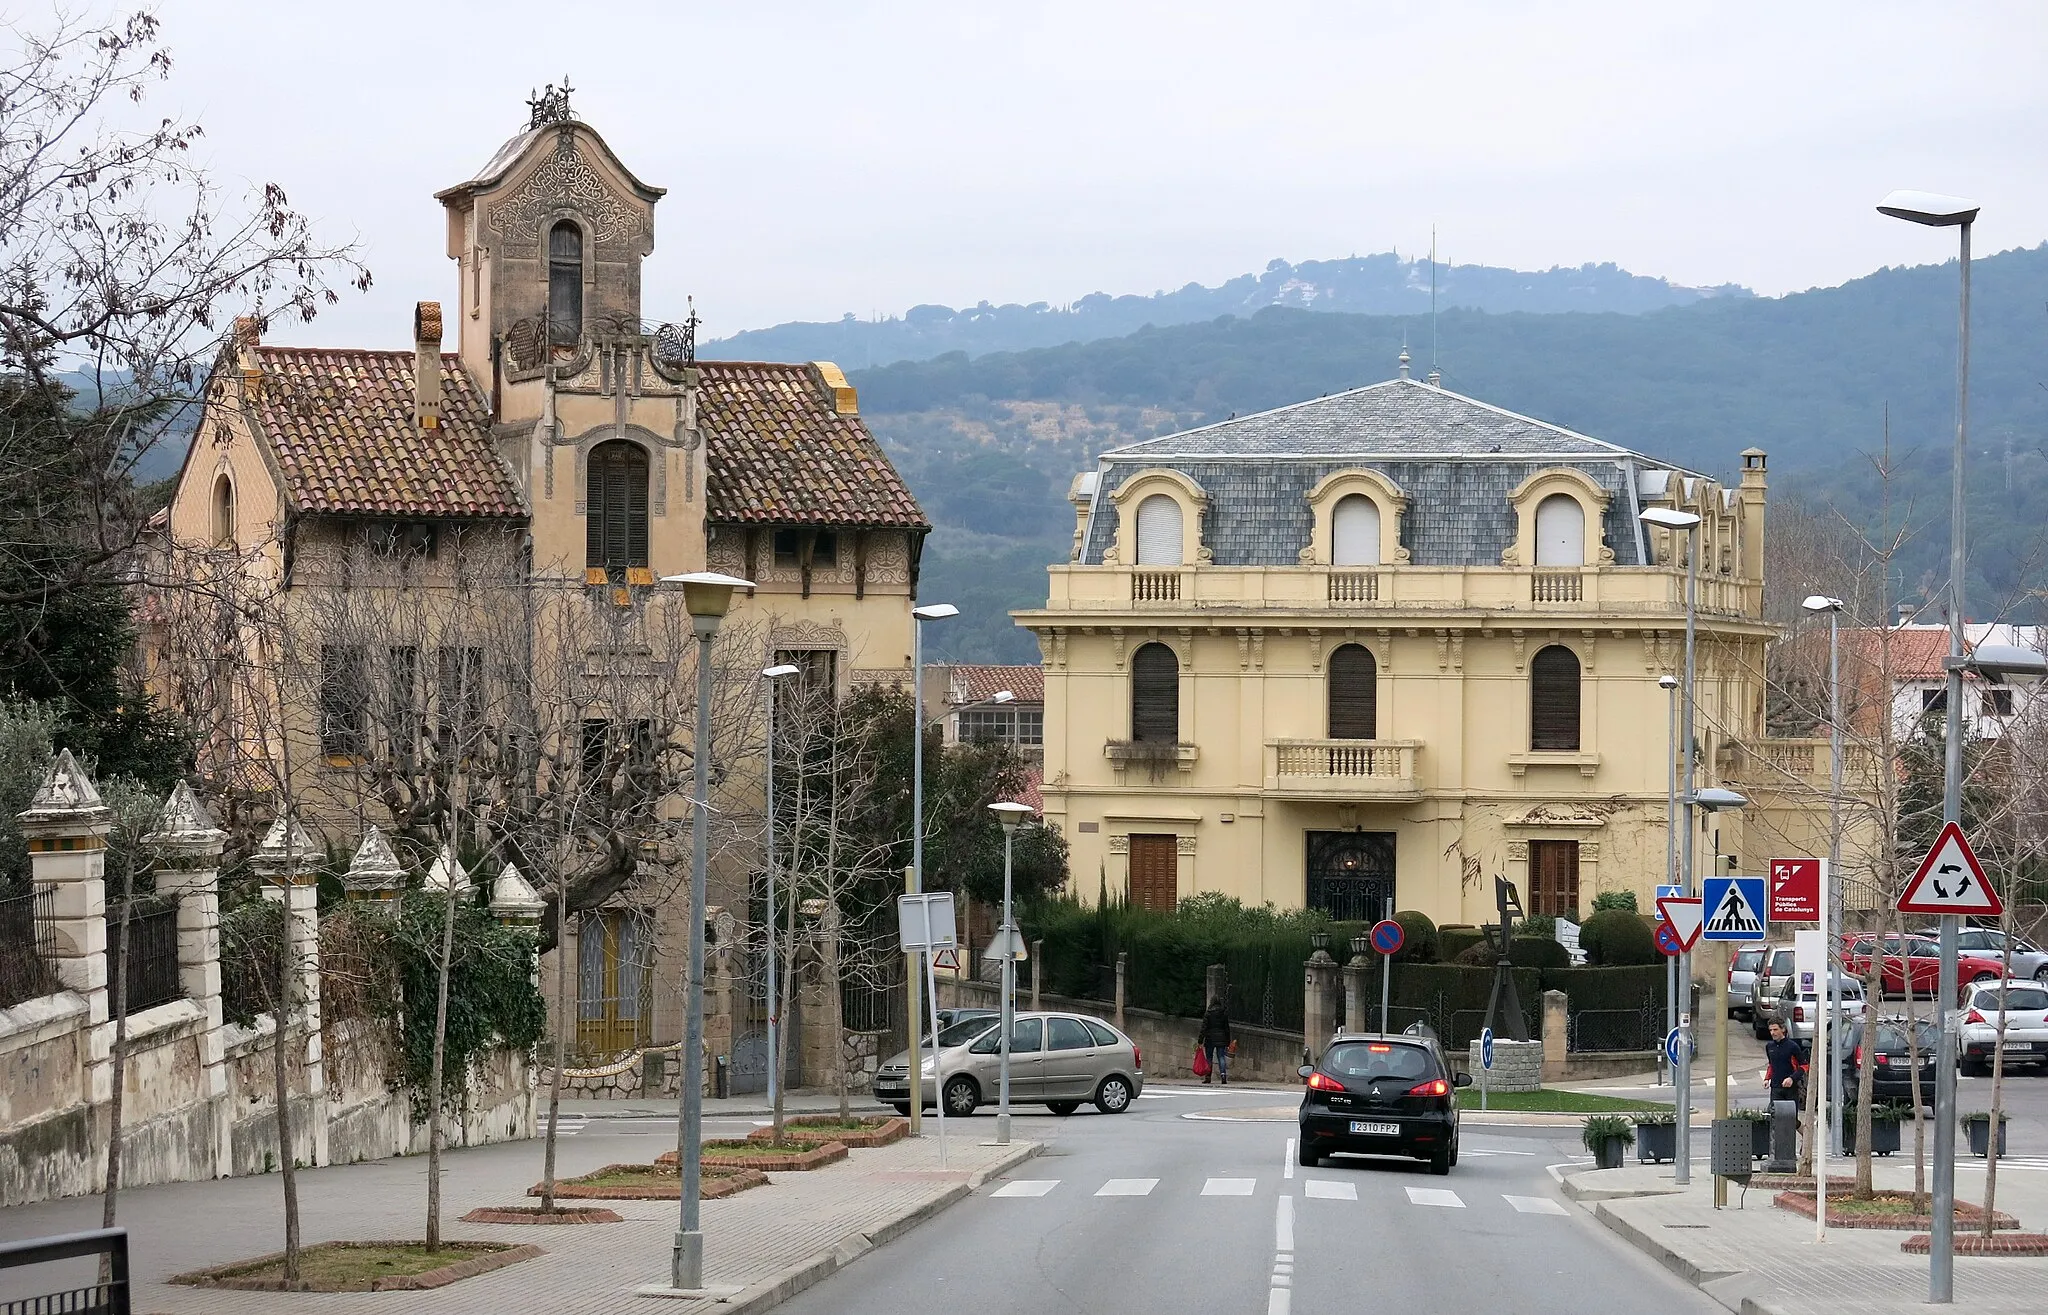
{"type": "Point", "coordinates": [1784, 1136]}
{"type": "Point", "coordinates": [724, 1087]}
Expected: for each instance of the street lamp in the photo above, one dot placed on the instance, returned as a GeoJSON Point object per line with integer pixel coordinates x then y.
{"type": "Point", "coordinates": [768, 679]}
{"type": "Point", "coordinates": [707, 596]}
{"type": "Point", "coordinates": [1830, 907]}
{"type": "Point", "coordinates": [1670, 518]}
{"type": "Point", "coordinates": [1669, 684]}
{"type": "Point", "coordinates": [1715, 799]}
{"type": "Point", "coordinates": [1012, 816]}
{"type": "Point", "coordinates": [1936, 211]}
{"type": "Point", "coordinates": [918, 616]}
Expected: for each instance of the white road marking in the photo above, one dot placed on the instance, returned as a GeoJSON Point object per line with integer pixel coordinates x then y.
{"type": "Point", "coordinates": [1287, 1160]}
{"type": "Point", "coordinates": [1128, 1187]}
{"type": "Point", "coordinates": [1283, 1227]}
{"type": "Point", "coordinates": [1535, 1205]}
{"type": "Point", "coordinates": [1026, 1187]}
{"type": "Point", "coordinates": [1323, 1190]}
{"type": "Point", "coordinates": [1439, 1196]}
{"type": "Point", "coordinates": [1477, 1151]}
{"type": "Point", "coordinates": [1279, 1292]}
{"type": "Point", "coordinates": [1229, 1186]}
{"type": "Point", "coordinates": [1277, 1301]}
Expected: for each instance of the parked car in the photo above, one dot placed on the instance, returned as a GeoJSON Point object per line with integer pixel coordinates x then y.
{"type": "Point", "coordinates": [949, 1017]}
{"type": "Point", "coordinates": [2028, 959]}
{"type": "Point", "coordinates": [1742, 980]}
{"type": "Point", "coordinates": [1892, 1061]}
{"type": "Point", "coordinates": [2026, 1026]}
{"type": "Point", "coordinates": [1773, 970]}
{"type": "Point", "coordinates": [1798, 1011]}
{"type": "Point", "coordinates": [1919, 958]}
{"type": "Point", "coordinates": [1373, 1094]}
{"type": "Point", "coordinates": [1060, 1061]}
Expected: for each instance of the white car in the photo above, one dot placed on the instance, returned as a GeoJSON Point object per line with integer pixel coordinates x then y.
{"type": "Point", "coordinates": [1798, 1013]}
{"type": "Point", "coordinates": [2026, 1025]}
{"type": "Point", "coordinates": [2028, 959]}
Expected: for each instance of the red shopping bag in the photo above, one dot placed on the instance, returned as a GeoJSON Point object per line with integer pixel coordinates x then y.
{"type": "Point", "coordinates": [1201, 1064]}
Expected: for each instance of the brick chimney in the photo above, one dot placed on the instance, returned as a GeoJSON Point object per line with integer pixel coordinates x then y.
{"type": "Point", "coordinates": [426, 368]}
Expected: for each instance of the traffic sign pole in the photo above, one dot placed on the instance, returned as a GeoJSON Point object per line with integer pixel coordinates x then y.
{"type": "Point", "coordinates": [1387, 967]}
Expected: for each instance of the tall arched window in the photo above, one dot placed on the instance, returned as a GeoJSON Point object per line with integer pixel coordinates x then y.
{"type": "Point", "coordinates": [1155, 695]}
{"type": "Point", "coordinates": [223, 509]}
{"type": "Point", "coordinates": [1554, 699]}
{"type": "Point", "coordinates": [1560, 531]}
{"type": "Point", "coordinates": [1355, 531]}
{"type": "Point", "coordinates": [1354, 694]}
{"type": "Point", "coordinates": [565, 284]}
{"type": "Point", "coordinates": [1159, 531]}
{"type": "Point", "coordinates": [616, 537]}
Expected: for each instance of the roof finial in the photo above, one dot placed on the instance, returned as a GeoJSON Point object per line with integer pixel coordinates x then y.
{"type": "Point", "coordinates": [550, 106]}
{"type": "Point", "coordinates": [1404, 358]}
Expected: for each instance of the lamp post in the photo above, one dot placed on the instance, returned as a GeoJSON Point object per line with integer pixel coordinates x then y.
{"type": "Point", "coordinates": [918, 616]}
{"type": "Point", "coordinates": [768, 679]}
{"type": "Point", "coordinates": [1670, 518]}
{"type": "Point", "coordinates": [707, 596]}
{"type": "Point", "coordinates": [1012, 816]}
{"type": "Point", "coordinates": [1830, 906]}
{"type": "Point", "coordinates": [1715, 799]}
{"type": "Point", "coordinates": [1948, 212]}
{"type": "Point", "coordinates": [1669, 684]}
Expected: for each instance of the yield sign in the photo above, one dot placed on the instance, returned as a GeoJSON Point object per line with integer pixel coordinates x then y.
{"type": "Point", "coordinates": [1686, 916]}
{"type": "Point", "coordinates": [1950, 880]}
{"type": "Point", "coordinates": [949, 959]}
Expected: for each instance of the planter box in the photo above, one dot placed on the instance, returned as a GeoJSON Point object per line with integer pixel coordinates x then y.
{"type": "Point", "coordinates": [802, 1155]}
{"type": "Point", "coordinates": [1884, 1136]}
{"type": "Point", "coordinates": [1656, 1143]}
{"type": "Point", "coordinates": [1610, 1153]}
{"type": "Point", "coordinates": [711, 1185]}
{"type": "Point", "coordinates": [879, 1132]}
{"type": "Point", "coordinates": [1980, 1137]}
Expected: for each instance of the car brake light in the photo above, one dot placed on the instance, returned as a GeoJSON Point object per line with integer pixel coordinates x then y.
{"type": "Point", "coordinates": [1379, 1049]}
{"type": "Point", "coordinates": [1883, 1060]}
{"type": "Point", "coordinates": [1798, 1013]}
{"type": "Point", "coordinates": [1856, 1056]}
{"type": "Point", "coordinates": [1973, 1017]}
{"type": "Point", "coordinates": [1433, 1087]}
{"type": "Point", "coordinates": [1321, 1081]}
{"type": "Point", "coordinates": [1137, 1057]}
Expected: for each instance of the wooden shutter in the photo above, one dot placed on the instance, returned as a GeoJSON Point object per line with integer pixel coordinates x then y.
{"type": "Point", "coordinates": [1554, 877]}
{"type": "Point", "coordinates": [1355, 532]}
{"type": "Point", "coordinates": [1159, 531]}
{"type": "Point", "coordinates": [1554, 699]}
{"type": "Point", "coordinates": [1155, 874]}
{"type": "Point", "coordinates": [1354, 694]}
{"type": "Point", "coordinates": [1155, 695]}
{"type": "Point", "coordinates": [565, 284]}
{"type": "Point", "coordinates": [616, 507]}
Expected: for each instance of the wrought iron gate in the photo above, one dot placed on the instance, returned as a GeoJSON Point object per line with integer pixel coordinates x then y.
{"type": "Point", "coordinates": [1351, 873]}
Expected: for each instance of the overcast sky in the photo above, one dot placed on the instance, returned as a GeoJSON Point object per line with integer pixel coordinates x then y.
{"type": "Point", "coordinates": [856, 157]}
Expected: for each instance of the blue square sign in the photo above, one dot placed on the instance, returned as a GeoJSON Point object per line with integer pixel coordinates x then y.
{"type": "Point", "coordinates": [1735, 908]}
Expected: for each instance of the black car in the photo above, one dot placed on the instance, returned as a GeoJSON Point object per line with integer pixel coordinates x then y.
{"type": "Point", "coordinates": [1381, 1095]}
{"type": "Point", "coordinates": [1891, 1076]}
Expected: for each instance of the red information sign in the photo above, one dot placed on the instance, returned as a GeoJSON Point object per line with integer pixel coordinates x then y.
{"type": "Point", "coordinates": [1795, 889]}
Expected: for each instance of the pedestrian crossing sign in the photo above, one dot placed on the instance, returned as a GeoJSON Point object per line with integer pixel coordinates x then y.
{"type": "Point", "coordinates": [1735, 908]}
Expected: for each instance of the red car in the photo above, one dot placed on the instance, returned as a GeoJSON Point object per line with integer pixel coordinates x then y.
{"type": "Point", "coordinates": [1921, 957]}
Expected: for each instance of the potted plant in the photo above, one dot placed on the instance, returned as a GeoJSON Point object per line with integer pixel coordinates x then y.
{"type": "Point", "coordinates": [1977, 1123]}
{"type": "Point", "coordinates": [1656, 1136]}
{"type": "Point", "coordinates": [1608, 1136]}
{"type": "Point", "coordinates": [1759, 1131]}
{"type": "Point", "coordinates": [1884, 1128]}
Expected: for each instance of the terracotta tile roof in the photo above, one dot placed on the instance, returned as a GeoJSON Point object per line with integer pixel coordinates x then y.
{"type": "Point", "coordinates": [341, 424]}
{"type": "Point", "coordinates": [972, 684]}
{"type": "Point", "coordinates": [1034, 779]}
{"type": "Point", "coordinates": [779, 450]}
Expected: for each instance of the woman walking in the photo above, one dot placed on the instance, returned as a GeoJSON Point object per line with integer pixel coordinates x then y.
{"type": "Point", "coordinates": [1216, 1042]}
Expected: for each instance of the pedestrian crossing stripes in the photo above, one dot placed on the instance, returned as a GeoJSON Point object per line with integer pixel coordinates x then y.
{"type": "Point", "coordinates": [1534, 1205]}
{"type": "Point", "coordinates": [1313, 1189]}
{"type": "Point", "coordinates": [1026, 1187]}
{"type": "Point", "coordinates": [567, 1126]}
{"type": "Point", "coordinates": [1229, 1186]}
{"type": "Point", "coordinates": [1323, 1190]}
{"type": "Point", "coordinates": [1437, 1196]}
{"type": "Point", "coordinates": [1128, 1187]}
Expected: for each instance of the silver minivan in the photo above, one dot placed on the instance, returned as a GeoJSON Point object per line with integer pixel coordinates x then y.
{"type": "Point", "coordinates": [1772, 972]}
{"type": "Point", "coordinates": [1061, 1061]}
{"type": "Point", "coordinates": [1742, 980]}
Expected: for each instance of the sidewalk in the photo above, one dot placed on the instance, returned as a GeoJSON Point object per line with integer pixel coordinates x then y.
{"type": "Point", "coordinates": [753, 1106]}
{"type": "Point", "coordinates": [1756, 1259]}
{"type": "Point", "coordinates": [761, 1246]}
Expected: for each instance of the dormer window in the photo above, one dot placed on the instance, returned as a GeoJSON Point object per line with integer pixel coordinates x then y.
{"type": "Point", "coordinates": [1159, 531]}
{"type": "Point", "coordinates": [1560, 531]}
{"type": "Point", "coordinates": [1355, 531]}
{"type": "Point", "coordinates": [565, 285]}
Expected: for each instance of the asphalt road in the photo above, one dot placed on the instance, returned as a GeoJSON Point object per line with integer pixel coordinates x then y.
{"type": "Point", "coordinates": [1192, 1202]}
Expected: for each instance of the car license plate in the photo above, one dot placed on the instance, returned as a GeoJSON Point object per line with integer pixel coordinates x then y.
{"type": "Point", "coordinates": [1360, 1129]}
{"type": "Point", "coordinates": [2024, 1046]}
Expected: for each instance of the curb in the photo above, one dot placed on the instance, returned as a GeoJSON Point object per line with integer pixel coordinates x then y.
{"type": "Point", "coordinates": [773, 1291]}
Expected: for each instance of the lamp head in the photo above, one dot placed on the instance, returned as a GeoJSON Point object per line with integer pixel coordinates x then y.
{"type": "Point", "coordinates": [1002, 696]}
{"type": "Point", "coordinates": [2007, 664]}
{"type": "Point", "coordinates": [777, 673]}
{"type": "Point", "coordinates": [1930, 208]}
{"type": "Point", "coordinates": [1669, 518]}
{"type": "Point", "coordinates": [1822, 603]}
{"type": "Point", "coordinates": [1010, 813]}
{"type": "Point", "coordinates": [1715, 799]}
{"type": "Point", "coordinates": [707, 595]}
{"type": "Point", "coordinates": [1667, 681]}
{"type": "Point", "coordinates": [934, 611]}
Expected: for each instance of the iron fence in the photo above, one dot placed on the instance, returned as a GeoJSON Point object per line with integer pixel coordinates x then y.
{"type": "Point", "coordinates": [150, 966]}
{"type": "Point", "coordinates": [28, 947]}
{"type": "Point", "coordinates": [1615, 1029]}
{"type": "Point", "coordinates": [97, 1298]}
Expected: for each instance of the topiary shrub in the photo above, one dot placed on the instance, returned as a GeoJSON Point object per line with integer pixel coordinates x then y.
{"type": "Point", "coordinates": [1615, 899]}
{"type": "Point", "coordinates": [1615, 938]}
{"type": "Point", "coordinates": [1523, 952]}
{"type": "Point", "coordinates": [1452, 942]}
{"type": "Point", "coordinates": [1419, 943]}
{"type": "Point", "coordinates": [1538, 924]}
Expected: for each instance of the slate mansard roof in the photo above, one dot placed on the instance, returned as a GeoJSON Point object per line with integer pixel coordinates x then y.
{"type": "Point", "coordinates": [1456, 459]}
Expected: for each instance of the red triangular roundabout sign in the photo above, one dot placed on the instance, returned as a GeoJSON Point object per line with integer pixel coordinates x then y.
{"type": "Point", "coordinates": [1950, 880]}
{"type": "Point", "coordinates": [1686, 917]}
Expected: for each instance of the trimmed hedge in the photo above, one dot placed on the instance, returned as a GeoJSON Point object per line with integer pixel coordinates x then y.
{"type": "Point", "coordinates": [1616, 938]}
{"type": "Point", "coordinates": [1452, 942]}
{"type": "Point", "coordinates": [1419, 943]}
{"type": "Point", "coordinates": [1523, 952]}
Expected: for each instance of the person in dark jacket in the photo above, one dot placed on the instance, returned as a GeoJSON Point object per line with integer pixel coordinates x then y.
{"type": "Point", "coordinates": [1786, 1075]}
{"type": "Point", "coordinates": [1216, 1042]}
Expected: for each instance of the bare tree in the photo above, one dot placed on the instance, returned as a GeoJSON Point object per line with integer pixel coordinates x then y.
{"type": "Point", "coordinates": [135, 812]}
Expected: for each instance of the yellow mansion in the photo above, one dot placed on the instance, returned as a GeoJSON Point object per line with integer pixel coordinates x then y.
{"type": "Point", "coordinates": [1389, 644]}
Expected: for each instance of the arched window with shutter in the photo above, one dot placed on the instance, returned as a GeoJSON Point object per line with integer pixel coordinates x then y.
{"type": "Point", "coordinates": [1355, 531]}
{"type": "Point", "coordinates": [565, 284]}
{"type": "Point", "coordinates": [1554, 699]}
{"type": "Point", "coordinates": [617, 501]}
{"type": "Point", "coordinates": [1560, 531]}
{"type": "Point", "coordinates": [1159, 532]}
{"type": "Point", "coordinates": [224, 510]}
{"type": "Point", "coordinates": [1155, 695]}
{"type": "Point", "coordinates": [1354, 694]}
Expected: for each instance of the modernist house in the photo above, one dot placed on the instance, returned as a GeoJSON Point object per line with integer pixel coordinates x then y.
{"type": "Point", "coordinates": [1386, 645]}
{"type": "Point", "coordinates": [975, 701]}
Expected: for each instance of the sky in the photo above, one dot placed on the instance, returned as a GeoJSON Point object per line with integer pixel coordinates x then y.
{"type": "Point", "coordinates": [867, 157]}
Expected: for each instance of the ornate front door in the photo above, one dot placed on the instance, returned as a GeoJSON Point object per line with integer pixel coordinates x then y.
{"type": "Point", "coordinates": [1351, 873]}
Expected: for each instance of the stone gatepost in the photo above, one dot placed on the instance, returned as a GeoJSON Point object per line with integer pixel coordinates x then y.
{"type": "Point", "coordinates": [286, 862]}
{"type": "Point", "coordinates": [515, 904]}
{"type": "Point", "coordinates": [1319, 1001]}
{"type": "Point", "coordinates": [375, 876]}
{"type": "Point", "coordinates": [1123, 963]}
{"type": "Point", "coordinates": [188, 844]}
{"type": "Point", "coordinates": [66, 828]}
{"type": "Point", "coordinates": [1357, 991]}
{"type": "Point", "coordinates": [1037, 971]}
{"type": "Point", "coordinates": [1556, 1037]}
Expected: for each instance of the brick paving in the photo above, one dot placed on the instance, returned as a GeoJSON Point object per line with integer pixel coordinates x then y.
{"type": "Point", "coordinates": [1761, 1260]}
{"type": "Point", "coordinates": [595, 1270]}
